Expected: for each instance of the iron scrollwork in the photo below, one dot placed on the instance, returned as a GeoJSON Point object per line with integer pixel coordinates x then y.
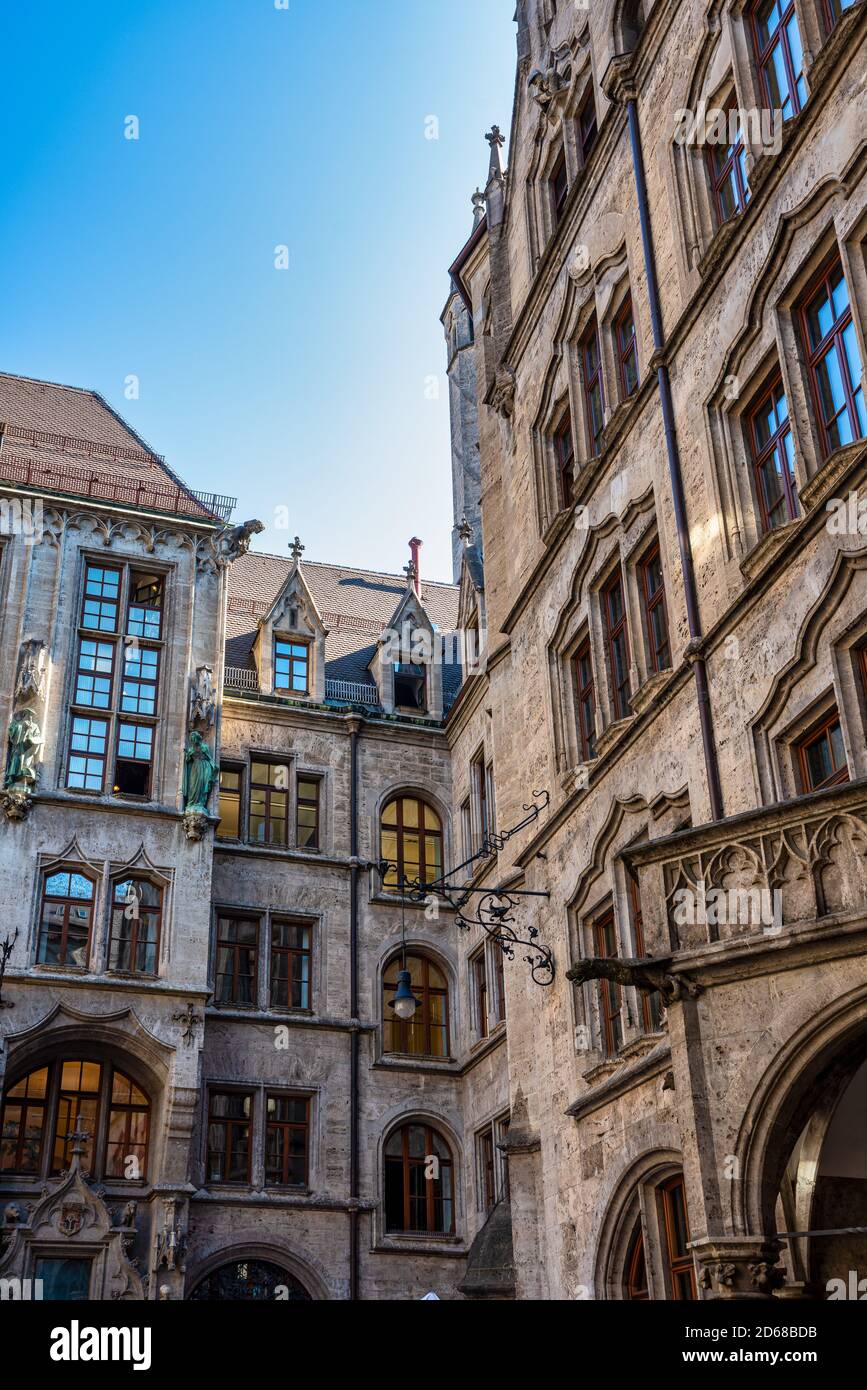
{"type": "Point", "coordinates": [492, 909]}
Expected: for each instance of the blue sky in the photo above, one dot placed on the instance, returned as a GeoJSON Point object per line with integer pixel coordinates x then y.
{"type": "Point", "coordinates": [306, 388]}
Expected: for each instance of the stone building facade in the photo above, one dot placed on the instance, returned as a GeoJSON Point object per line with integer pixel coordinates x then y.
{"type": "Point", "coordinates": [632, 732]}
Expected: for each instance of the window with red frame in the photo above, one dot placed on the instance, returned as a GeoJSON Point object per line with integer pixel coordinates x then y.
{"type": "Point", "coordinates": [605, 942]}
{"type": "Point", "coordinates": [586, 692]}
{"type": "Point", "coordinates": [627, 353]}
{"type": "Point", "coordinates": [727, 163]}
{"type": "Point", "coordinates": [773, 455]}
{"type": "Point", "coordinates": [559, 185]}
{"type": "Point", "coordinates": [822, 756]}
{"type": "Point", "coordinates": [833, 358]}
{"type": "Point", "coordinates": [636, 1268]}
{"type": "Point", "coordinates": [679, 1261]}
{"type": "Point", "coordinates": [655, 613]}
{"type": "Point", "coordinates": [834, 10]}
{"type": "Point", "coordinates": [779, 54]}
{"type": "Point", "coordinates": [587, 126]}
{"type": "Point", "coordinates": [565, 453]}
{"type": "Point", "coordinates": [617, 635]}
{"type": "Point", "coordinates": [594, 394]}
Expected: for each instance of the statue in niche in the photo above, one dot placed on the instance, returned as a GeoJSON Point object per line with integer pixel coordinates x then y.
{"type": "Point", "coordinates": [200, 774]}
{"type": "Point", "coordinates": [30, 677]}
{"type": "Point", "coordinates": [203, 700]}
{"type": "Point", "coordinates": [25, 741]}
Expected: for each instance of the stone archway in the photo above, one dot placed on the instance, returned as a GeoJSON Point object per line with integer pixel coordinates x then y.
{"type": "Point", "coordinates": [250, 1279]}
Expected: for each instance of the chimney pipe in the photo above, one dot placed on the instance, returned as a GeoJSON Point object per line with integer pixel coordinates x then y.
{"type": "Point", "coordinates": [415, 546]}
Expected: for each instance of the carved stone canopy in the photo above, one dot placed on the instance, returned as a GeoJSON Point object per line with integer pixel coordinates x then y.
{"type": "Point", "coordinates": [30, 675]}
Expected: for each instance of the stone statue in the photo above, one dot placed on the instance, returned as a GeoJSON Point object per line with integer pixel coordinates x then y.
{"type": "Point", "coordinates": [200, 774]}
{"type": "Point", "coordinates": [235, 540]}
{"type": "Point", "coordinates": [25, 741]}
{"type": "Point", "coordinates": [30, 677]}
{"type": "Point", "coordinates": [646, 975]}
{"type": "Point", "coordinates": [203, 700]}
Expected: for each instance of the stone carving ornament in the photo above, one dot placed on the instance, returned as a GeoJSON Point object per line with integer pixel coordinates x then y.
{"type": "Point", "coordinates": [30, 676]}
{"type": "Point", "coordinates": [203, 699]}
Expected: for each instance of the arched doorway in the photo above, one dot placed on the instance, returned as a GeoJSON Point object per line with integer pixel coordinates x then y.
{"type": "Point", "coordinates": [250, 1280]}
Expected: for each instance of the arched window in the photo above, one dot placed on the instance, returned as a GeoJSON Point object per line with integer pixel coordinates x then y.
{"type": "Point", "coordinates": [678, 1259]}
{"type": "Point", "coordinates": [636, 1268]}
{"type": "Point", "coordinates": [136, 915]}
{"type": "Point", "coordinates": [43, 1109]}
{"type": "Point", "coordinates": [427, 1033]}
{"type": "Point", "coordinates": [250, 1280]}
{"type": "Point", "coordinates": [65, 919]}
{"type": "Point", "coordinates": [628, 25]}
{"type": "Point", "coordinates": [411, 840]}
{"type": "Point", "coordinates": [419, 1192]}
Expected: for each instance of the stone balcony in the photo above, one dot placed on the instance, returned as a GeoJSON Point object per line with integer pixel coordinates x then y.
{"type": "Point", "coordinates": [765, 874]}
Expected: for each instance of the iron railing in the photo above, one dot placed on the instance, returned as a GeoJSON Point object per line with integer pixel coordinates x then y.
{"type": "Point", "coordinates": [346, 692]}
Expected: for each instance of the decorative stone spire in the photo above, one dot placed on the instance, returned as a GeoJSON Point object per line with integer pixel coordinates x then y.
{"type": "Point", "coordinates": [465, 532]}
{"type": "Point", "coordinates": [296, 550]}
{"type": "Point", "coordinates": [413, 569]}
{"type": "Point", "coordinates": [496, 141]}
{"type": "Point", "coordinates": [478, 202]}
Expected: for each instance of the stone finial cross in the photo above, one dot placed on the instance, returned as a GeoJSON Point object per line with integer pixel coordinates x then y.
{"type": "Point", "coordinates": [296, 550]}
{"type": "Point", "coordinates": [79, 1137]}
{"type": "Point", "coordinates": [411, 572]}
{"type": "Point", "coordinates": [495, 137]}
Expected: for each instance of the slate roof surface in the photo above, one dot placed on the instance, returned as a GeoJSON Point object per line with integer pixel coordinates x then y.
{"type": "Point", "coordinates": [66, 439]}
{"type": "Point", "coordinates": [355, 605]}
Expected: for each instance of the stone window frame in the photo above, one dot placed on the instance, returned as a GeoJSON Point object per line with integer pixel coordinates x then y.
{"type": "Point", "coordinates": [495, 1130]}
{"type": "Point", "coordinates": [419, 948]}
{"type": "Point", "coordinates": [258, 1091]}
{"type": "Point", "coordinates": [412, 1242]}
{"type": "Point", "coordinates": [101, 945]}
{"type": "Point", "coordinates": [574, 737]}
{"type": "Point", "coordinates": [557, 135]}
{"type": "Point", "coordinates": [46, 869]}
{"type": "Point", "coordinates": [635, 1207]}
{"type": "Point", "coordinates": [775, 347]}
{"type": "Point", "coordinates": [646, 676]}
{"type": "Point", "coordinates": [605, 700]}
{"type": "Point", "coordinates": [265, 918]}
{"type": "Point", "coordinates": [378, 892]}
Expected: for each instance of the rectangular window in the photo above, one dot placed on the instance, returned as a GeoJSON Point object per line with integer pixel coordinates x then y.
{"type": "Point", "coordinates": [587, 127]}
{"type": "Point", "coordinates": [230, 804]}
{"type": "Point", "coordinates": [480, 787]}
{"type": "Point", "coordinates": [87, 747]}
{"type": "Point", "coordinates": [307, 813]}
{"type": "Point", "coordinates": [101, 602]}
{"type": "Point", "coordinates": [269, 804]}
{"type": "Point", "coordinates": [655, 614]}
{"type": "Point", "coordinates": [478, 967]}
{"type": "Point", "coordinates": [834, 359]}
{"type": "Point", "coordinates": [627, 353]}
{"type": "Point", "coordinates": [605, 940]}
{"type": "Point", "coordinates": [727, 162]}
{"type": "Point", "coordinates": [117, 676]}
{"type": "Point", "coordinates": [237, 960]}
{"type": "Point", "coordinates": [229, 1150]}
{"type": "Point", "coordinates": [132, 768]}
{"type": "Point", "coordinates": [499, 983]}
{"type": "Point", "coordinates": [594, 395]}
{"type": "Point", "coordinates": [291, 954]}
{"type": "Point", "coordinates": [287, 1141]}
{"type": "Point", "coordinates": [467, 829]}
{"type": "Point", "coordinates": [617, 633]}
{"type": "Point", "coordinates": [94, 675]}
{"type": "Point", "coordinates": [834, 11]}
{"type": "Point", "coordinates": [145, 614]}
{"type": "Point", "coordinates": [822, 755]}
{"type": "Point", "coordinates": [779, 55]}
{"type": "Point", "coordinates": [679, 1261]}
{"type": "Point", "coordinates": [559, 185]}
{"type": "Point", "coordinates": [773, 455]}
{"type": "Point", "coordinates": [487, 1163]}
{"type": "Point", "coordinates": [565, 454]}
{"type": "Point", "coordinates": [292, 667]}
{"type": "Point", "coordinates": [586, 691]}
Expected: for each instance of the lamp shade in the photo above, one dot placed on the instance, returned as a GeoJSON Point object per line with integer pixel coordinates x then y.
{"type": "Point", "coordinates": [404, 1002]}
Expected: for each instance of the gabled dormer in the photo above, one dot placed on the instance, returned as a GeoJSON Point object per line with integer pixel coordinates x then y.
{"type": "Point", "coordinates": [289, 650]}
{"type": "Point", "coordinates": [407, 665]}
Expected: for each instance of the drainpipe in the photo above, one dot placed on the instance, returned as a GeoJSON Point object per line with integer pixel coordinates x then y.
{"type": "Point", "coordinates": [355, 724]}
{"type": "Point", "coordinates": [694, 653]}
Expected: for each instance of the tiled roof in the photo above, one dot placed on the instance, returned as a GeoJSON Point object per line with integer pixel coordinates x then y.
{"type": "Point", "coordinates": [65, 439]}
{"type": "Point", "coordinates": [355, 606]}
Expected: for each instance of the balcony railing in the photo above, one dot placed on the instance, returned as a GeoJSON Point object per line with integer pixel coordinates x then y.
{"type": "Point", "coordinates": [344, 692]}
{"type": "Point", "coordinates": [793, 863]}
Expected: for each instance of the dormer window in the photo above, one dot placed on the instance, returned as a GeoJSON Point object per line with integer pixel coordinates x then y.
{"type": "Point", "coordinates": [291, 667]}
{"type": "Point", "coordinates": [410, 687]}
